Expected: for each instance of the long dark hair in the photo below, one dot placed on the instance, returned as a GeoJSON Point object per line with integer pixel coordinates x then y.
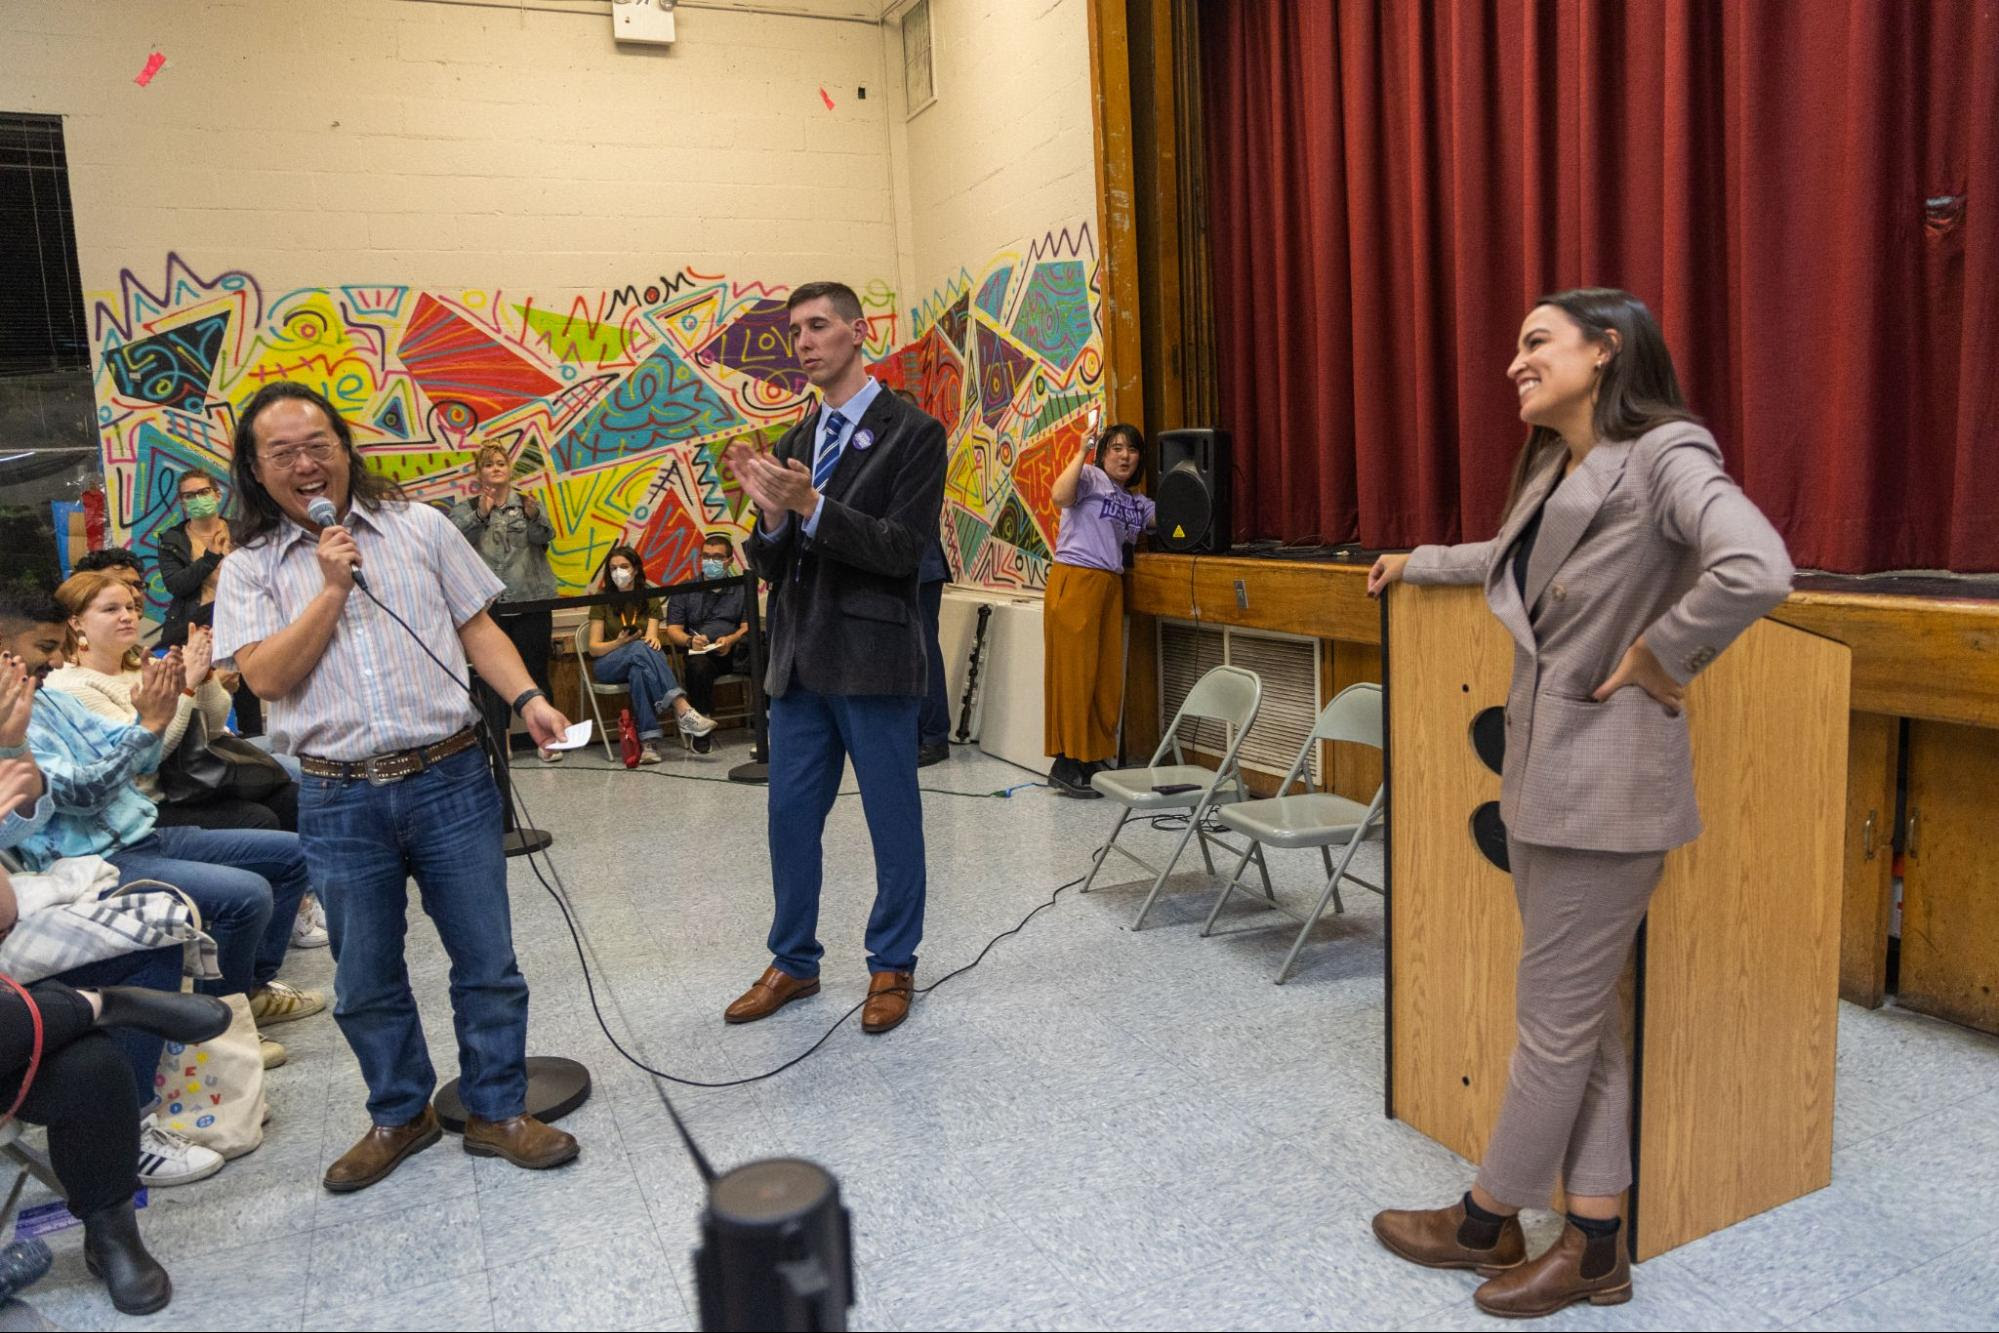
{"type": "Point", "coordinates": [630, 553]}
{"type": "Point", "coordinates": [256, 514]}
{"type": "Point", "coordinates": [1637, 390]}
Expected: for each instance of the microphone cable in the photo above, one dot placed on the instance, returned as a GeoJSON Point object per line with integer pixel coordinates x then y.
{"type": "Point", "coordinates": [559, 892]}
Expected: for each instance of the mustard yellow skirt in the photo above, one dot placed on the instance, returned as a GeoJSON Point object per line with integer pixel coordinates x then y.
{"type": "Point", "coordinates": [1082, 679]}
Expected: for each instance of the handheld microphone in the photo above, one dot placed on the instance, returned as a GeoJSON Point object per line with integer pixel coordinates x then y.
{"type": "Point", "coordinates": [322, 512]}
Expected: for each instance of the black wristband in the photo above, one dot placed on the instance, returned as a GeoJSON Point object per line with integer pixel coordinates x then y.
{"type": "Point", "coordinates": [526, 697]}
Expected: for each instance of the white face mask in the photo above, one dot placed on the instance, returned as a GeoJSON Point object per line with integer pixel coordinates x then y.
{"type": "Point", "coordinates": [622, 577]}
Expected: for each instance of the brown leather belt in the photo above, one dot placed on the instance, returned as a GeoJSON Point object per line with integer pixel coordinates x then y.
{"type": "Point", "coordinates": [382, 769]}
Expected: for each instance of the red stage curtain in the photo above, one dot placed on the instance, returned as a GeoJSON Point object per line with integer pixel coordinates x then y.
{"type": "Point", "coordinates": [1806, 194]}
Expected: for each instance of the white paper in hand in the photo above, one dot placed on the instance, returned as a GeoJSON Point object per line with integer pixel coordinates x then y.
{"type": "Point", "coordinates": [576, 737]}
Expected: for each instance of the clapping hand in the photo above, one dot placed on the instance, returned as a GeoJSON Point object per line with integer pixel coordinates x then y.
{"type": "Point", "coordinates": [198, 655]}
{"type": "Point", "coordinates": [17, 700]}
{"type": "Point", "coordinates": [157, 694]}
{"type": "Point", "coordinates": [779, 488]}
{"type": "Point", "coordinates": [20, 785]}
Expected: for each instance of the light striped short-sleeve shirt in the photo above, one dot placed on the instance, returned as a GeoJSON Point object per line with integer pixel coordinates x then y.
{"type": "Point", "coordinates": [374, 692]}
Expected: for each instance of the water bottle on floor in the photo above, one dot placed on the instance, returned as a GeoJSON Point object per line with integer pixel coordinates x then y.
{"type": "Point", "coordinates": [628, 738]}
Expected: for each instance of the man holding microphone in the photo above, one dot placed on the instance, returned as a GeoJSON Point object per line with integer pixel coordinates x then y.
{"type": "Point", "coordinates": [396, 784]}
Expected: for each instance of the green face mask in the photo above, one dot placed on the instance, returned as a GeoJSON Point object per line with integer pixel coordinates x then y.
{"type": "Point", "coordinates": [202, 506]}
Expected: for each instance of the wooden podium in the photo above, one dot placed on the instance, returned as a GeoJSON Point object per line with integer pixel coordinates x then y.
{"type": "Point", "coordinates": [1733, 988]}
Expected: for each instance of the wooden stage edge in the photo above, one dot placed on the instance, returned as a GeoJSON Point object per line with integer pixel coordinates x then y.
{"type": "Point", "coordinates": [1929, 657]}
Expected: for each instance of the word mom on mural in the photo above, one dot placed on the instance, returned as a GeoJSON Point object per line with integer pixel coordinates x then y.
{"type": "Point", "coordinates": [614, 406]}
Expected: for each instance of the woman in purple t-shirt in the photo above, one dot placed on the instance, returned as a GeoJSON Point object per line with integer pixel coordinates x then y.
{"type": "Point", "coordinates": [1083, 617]}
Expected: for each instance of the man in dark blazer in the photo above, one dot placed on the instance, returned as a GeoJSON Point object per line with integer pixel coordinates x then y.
{"type": "Point", "coordinates": [846, 502]}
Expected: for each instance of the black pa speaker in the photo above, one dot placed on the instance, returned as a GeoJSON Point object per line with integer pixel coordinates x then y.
{"type": "Point", "coordinates": [1196, 490]}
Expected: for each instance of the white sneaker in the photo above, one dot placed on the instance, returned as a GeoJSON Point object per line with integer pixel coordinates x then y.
{"type": "Point", "coordinates": [165, 1158]}
{"type": "Point", "coordinates": [280, 1002]}
{"type": "Point", "coordinates": [695, 724]}
{"type": "Point", "coordinates": [309, 926]}
{"type": "Point", "coordinates": [273, 1053]}
{"type": "Point", "coordinates": [549, 756]}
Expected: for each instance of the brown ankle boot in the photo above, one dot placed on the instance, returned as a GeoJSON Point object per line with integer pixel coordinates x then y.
{"type": "Point", "coordinates": [1442, 1238]}
{"type": "Point", "coordinates": [1576, 1267]}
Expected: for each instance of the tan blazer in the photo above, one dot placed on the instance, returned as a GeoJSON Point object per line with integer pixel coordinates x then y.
{"type": "Point", "coordinates": [1649, 536]}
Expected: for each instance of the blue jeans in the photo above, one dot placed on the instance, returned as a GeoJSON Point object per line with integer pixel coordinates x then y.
{"type": "Point", "coordinates": [647, 676]}
{"type": "Point", "coordinates": [441, 826]}
{"type": "Point", "coordinates": [154, 969]}
{"type": "Point", "coordinates": [811, 738]}
{"type": "Point", "coordinates": [247, 883]}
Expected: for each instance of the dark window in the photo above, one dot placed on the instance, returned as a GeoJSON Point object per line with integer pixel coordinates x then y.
{"type": "Point", "coordinates": [41, 296]}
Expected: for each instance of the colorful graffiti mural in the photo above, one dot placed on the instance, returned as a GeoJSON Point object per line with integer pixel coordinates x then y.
{"type": "Point", "coordinates": [615, 407]}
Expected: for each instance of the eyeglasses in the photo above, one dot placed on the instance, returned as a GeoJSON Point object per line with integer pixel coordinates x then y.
{"type": "Point", "coordinates": [287, 460]}
{"type": "Point", "coordinates": [197, 492]}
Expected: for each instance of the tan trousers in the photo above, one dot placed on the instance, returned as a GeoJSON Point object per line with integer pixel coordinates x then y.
{"type": "Point", "coordinates": [1082, 656]}
{"type": "Point", "coordinates": [1568, 1101]}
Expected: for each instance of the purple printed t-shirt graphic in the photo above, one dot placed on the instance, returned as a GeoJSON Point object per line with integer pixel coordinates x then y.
{"type": "Point", "coordinates": [1104, 518]}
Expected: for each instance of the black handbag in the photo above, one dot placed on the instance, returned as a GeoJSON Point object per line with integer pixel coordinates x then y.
{"type": "Point", "coordinates": [204, 767]}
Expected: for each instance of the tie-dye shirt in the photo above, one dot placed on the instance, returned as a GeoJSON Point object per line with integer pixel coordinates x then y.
{"type": "Point", "coordinates": [1105, 519]}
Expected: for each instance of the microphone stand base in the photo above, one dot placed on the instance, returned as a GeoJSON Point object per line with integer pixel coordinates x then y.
{"type": "Point", "coordinates": [556, 1087]}
{"type": "Point", "coordinates": [526, 841]}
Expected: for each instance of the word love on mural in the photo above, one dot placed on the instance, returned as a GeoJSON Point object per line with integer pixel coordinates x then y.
{"type": "Point", "coordinates": [615, 407]}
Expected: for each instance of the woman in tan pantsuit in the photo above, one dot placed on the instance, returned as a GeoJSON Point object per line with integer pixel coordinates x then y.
{"type": "Point", "coordinates": [1626, 562]}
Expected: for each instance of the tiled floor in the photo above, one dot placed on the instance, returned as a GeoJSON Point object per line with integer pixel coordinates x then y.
{"type": "Point", "coordinates": [1093, 1130]}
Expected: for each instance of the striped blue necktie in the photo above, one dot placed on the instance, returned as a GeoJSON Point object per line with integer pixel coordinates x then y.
{"type": "Point", "coordinates": [822, 470]}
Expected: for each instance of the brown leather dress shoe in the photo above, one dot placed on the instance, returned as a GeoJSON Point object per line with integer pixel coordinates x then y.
{"type": "Point", "coordinates": [1575, 1268]}
{"type": "Point", "coordinates": [774, 989]}
{"type": "Point", "coordinates": [1439, 1238]}
{"type": "Point", "coordinates": [888, 1001]}
{"type": "Point", "coordinates": [380, 1151]}
{"type": "Point", "coordinates": [522, 1140]}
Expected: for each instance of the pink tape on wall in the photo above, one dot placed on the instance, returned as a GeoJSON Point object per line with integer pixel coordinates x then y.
{"type": "Point", "coordinates": [827, 98]}
{"type": "Point", "coordinates": [153, 64]}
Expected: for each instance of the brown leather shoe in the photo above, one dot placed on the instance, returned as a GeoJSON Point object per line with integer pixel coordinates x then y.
{"type": "Point", "coordinates": [1575, 1268]}
{"type": "Point", "coordinates": [1436, 1238]}
{"type": "Point", "coordinates": [380, 1151]}
{"type": "Point", "coordinates": [522, 1140]}
{"type": "Point", "coordinates": [774, 989]}
{"type": "Point", "coordinates": [888, 1001]}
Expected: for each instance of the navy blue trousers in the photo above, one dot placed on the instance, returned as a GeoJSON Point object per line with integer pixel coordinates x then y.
{"type": "Point", "coordinates": [811, 738]}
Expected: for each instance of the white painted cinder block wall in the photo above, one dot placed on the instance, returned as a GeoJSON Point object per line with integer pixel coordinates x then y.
{"type": "Point", "coordinates": [441, 144]}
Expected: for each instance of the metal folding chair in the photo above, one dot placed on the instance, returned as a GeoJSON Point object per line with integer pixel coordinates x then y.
{"type": "Point", "coordinates": [1229, 695]}
{"type": "Point", "coordinates": [1310, 819]}
{"type": "Point", "coordinates": [586, 673]}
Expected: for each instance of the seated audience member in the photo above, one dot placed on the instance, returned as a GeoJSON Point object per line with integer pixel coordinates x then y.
{"type": "Point", "coordinates": [247, 883]}
{"type": "Point", "coordinates": [710, 627]}
{"type": "Point", "coordinates": [128, 569]}
{"type": "Point", "coordinates": [101, 671]}
{"type": "Point", "coordinates": [190, 562]}
{"type": "Point", "coordinates": [624, 641]}
{"type": "Point", "coordinates": [82, 1094]}
{"type": "Point", "coordinates": [165, 1158]}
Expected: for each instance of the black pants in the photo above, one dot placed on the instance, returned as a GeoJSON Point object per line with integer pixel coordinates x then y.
{"type": "Point", "coordinates": [703, 669]}
{"type": "Point", "coordinates": [530, 634]}
{"type": "Point", "coordinates": [249, 710]}
{"type": "Point", "coordinates": [933, 724]}
{"type": "Point", "coordinates": [83, 1092]}
{"type": "Point", "coordinates": [279, 810]}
